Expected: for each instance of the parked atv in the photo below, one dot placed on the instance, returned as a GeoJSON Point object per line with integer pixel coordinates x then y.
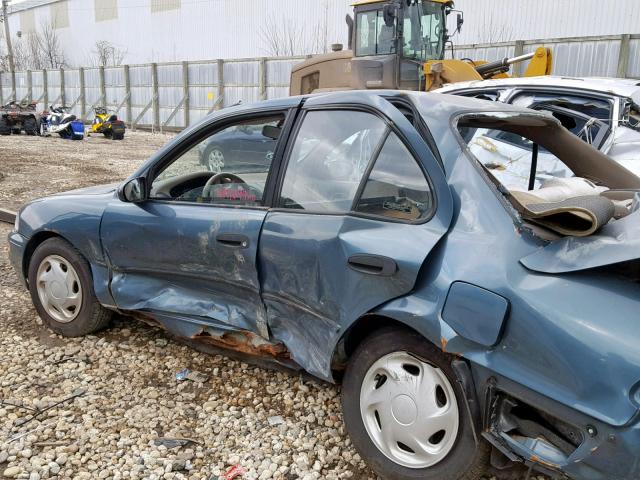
{"type": "Point", "coordinates": [108, 124]}
{"type": "Point", "coordinates": [59, 120]}
{"type": "Point", "coordinates": [16, 117]}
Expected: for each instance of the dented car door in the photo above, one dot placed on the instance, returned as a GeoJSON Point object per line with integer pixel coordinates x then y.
{"type": "Point", "coordinates": [362, 202]}
{"type": "Point", "coordinates": [188, 253]}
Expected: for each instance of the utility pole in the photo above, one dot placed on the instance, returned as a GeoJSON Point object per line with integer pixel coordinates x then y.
{"type": "Point", "coordinates": [7, 39]}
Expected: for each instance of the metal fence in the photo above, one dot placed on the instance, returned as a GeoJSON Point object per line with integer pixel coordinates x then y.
{"type": "Point", "coordinates": [604, 56]}
{"type": "Point", "coordinates": [159, 96]}
{"type": "Point", "coordinates": [175, 95]}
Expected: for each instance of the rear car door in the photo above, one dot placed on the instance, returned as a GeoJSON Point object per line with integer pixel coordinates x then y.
{"type": "Point", "coordinates": [363, 201]}
{"type": "Point", "coordinates": [188, 253]}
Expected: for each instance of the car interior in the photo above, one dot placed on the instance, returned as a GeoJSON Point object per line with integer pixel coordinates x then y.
{"type": "Point", "coordinates": [588, 192]}
{"type": "Point", "coordinates": [186, 179]}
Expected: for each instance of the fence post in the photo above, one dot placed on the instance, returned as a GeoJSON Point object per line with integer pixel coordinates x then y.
{"type": "Point", "coordinates": [103, 88]}
{"type": "Point", "coordinates": [14, 95]}
{"type": "Point", "coordinates": [1, 92]}
{"type": "Point", "coordinates": [155, 104]}
{"type": "Point", "coordinates": [220, 84]}
{"type": "Point", "coordinates": [63, 99]}
{"type": "Point", "coordinates": [45, 89]}
{"type": "Point", "coordinates": [517, 51]}
{"type": "Point", "coordinates": [29, 86]}
{"type": "Point", "coordinates": [83, 97]}
{"type": "Point", "coordinates": [127, 93]}
{"type": "Point", "coordinates": [185, 92]}
{"type": "Point", "coordinates": [263, 78]}
{"type": "Point", "coordinates": [623, 57]}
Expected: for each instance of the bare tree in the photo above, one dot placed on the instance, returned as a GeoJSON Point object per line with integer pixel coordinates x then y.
{"type": "Point", "coordinates": [106, 54]}
{"type": "Point", "coordinates": [52, 54]}
{"type": "Point", "coordinates": [490, 31]}
{"type": "Point", "coordinates": [284, 36]}
{"type": "Point", "coordinates": [37, 50]}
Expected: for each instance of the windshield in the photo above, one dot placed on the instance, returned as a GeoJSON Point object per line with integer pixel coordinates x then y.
{"type": "Point", "coordinates": [424, 24]}
{"type": "Point", "coordinates": [423, 27]}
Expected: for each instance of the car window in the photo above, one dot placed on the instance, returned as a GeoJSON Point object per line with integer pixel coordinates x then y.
{"type": "Point", "coordinates": [229, 167]}
{"type": "Point", "coordinates": [586, 117]}
{"type": "Point", "coordinates": [490, 95]}
{"type": "Point", "coordinates": [594, 107]}
{"type": "Point", "coordinates": [508, 156]}
{"type": "Point", "coordinates": [375, 37]}
{"type": "Point", "coordinates": [329, 157]}
{"type": "Point", "coordinates": [396, 187]}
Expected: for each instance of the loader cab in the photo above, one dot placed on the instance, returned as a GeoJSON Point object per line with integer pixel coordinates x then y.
{"type": "Point", "coordinates": [391, 41]}
{"type": "Point", "coordinates": [415, 28]}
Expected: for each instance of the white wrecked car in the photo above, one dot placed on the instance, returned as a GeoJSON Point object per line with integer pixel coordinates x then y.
{"type": "Point", "coordinates": [604, 112]}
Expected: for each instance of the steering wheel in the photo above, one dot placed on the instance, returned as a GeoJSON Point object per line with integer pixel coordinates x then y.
{"type": "Point", "coordinates": [218, 179]}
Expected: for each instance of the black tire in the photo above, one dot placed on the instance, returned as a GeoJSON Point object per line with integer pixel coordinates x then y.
{"type": "Point", "coordinates": [92, 315]}
{"type": "Point", "coordinates": [117, 136]}
{"type": "Point", "coordinates": [5, 129]}
{"type": "Point", "coordinates": [31, 126]}
{"type": "Point", "coordinates": [465, 461]}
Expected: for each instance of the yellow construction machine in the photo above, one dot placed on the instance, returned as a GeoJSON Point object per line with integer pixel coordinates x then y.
{"type": "Point", "coordinates": [400, 44]}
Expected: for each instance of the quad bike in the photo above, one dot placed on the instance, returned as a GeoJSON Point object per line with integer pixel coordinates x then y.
{"type": "Point", "coordinates": [108, 124]}
{"type": "Point", "coordinates": [59, 120]}
{"type": "Point", "coordinates": [16, 117]}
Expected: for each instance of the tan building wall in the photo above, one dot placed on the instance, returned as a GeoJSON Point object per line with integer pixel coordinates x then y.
{"type": "Point", "coordinates": [60, 14]}
{"type": "Point", "coordinates": [163, 5]}
{"type": "Point", "coordinates": [28, 21]}
{"type": "Point", "coordinates": [106, 10]}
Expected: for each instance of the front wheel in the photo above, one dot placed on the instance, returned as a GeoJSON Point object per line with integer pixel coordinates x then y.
{"type": "Point", "coordinates": [405, 411]}
{"type": "Point", "coordinates": [61, 288]}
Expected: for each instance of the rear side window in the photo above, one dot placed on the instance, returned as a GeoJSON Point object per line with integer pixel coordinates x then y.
{"type": "Point", "coordinates": [396, 187]}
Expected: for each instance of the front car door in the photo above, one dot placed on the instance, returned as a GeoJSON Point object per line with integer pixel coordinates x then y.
{"type": "Point", "coordinates": [187, 255]}
{"type": "Point", "coordinates": [362, 202]}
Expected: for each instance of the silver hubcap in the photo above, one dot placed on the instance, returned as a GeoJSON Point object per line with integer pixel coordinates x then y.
{"type": "Point", "coordinates": [409, 410]}
{"type": "Point", "coordinates": [216, 160]}
{"type": "Point", "coordinates": [59, 289]}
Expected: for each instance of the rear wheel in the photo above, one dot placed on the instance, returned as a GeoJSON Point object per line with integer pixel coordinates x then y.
{"type": "Point", "coordinates": [61, 288]}
{"type": "Point", "coordinates": [405, 411]}
{"type": "Point", "coordinates": [30, 126]}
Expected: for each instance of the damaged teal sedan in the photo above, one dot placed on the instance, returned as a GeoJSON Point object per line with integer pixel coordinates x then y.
{"type": "Point", "coordinates": [473, 323]}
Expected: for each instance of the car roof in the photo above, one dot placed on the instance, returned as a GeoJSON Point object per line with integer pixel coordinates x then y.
{"type": "Point", "coordinates": [622, 87]}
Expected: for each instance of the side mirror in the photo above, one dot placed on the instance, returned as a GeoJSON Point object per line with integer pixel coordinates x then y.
{"type": "Point", "coordinates": [272, 132]}
{"type": "Point", "coordinates": [134, 191]}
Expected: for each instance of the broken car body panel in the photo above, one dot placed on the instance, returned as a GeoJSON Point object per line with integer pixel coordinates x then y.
{"type": "Point", "coordinates": [562, 344]}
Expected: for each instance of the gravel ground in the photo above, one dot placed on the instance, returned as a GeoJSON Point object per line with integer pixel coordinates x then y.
{"type": "Point", "coordinates": [95, 407]}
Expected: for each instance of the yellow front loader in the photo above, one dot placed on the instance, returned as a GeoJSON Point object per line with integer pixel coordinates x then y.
{"type": "Point", "coordinates": [400, 44]}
